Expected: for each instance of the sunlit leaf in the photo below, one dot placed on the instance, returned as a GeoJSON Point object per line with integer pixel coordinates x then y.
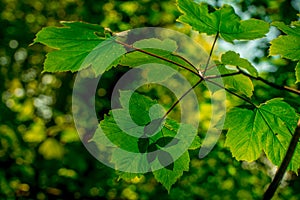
{"type": "Point", "coordinates": [168, 177]}
{"type": "Point", "coordinates": [242, 138]}
{"type": "Point", "coordinates": [232, 58]}
{"type": "Point", "coordinates": [138, 107]}
{"type": "Point", "coordinates": [78, 47]}
{"type": "Point", "coordinates": [196, 143]}
{"type": "Point", "coordinates": [121, 126]}
{"type": "Point", "coordinates": [288, 46]}
{"type": "Point", "coordinates": [238, 83]}
{"type": "Point", "coordinates": [269, 127]}
{"type": "Point", "coordinates": [222, 20]}
{"type": "Point", "coordinates": [294, 29]}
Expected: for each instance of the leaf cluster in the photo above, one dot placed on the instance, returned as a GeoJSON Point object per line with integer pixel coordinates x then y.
{"type": "Point", "coordinates": [252, 129]}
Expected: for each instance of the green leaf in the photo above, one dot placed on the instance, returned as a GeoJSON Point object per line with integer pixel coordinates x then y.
{"type": "Point", "coordinates": [223, 21]}
{"type": "Point", "coordinates": [288, 46]}
{"type": "Point", "coordinates": [269, 127]}
{"type": "Point", "coordinates": [293, 30]}
{"type": "Point", "coordinates": [162, 52]}
{"type": "Point", "coordinates": [77, 47]}
{"type": "Point", "coordinates": [196, 143]}
{"type": "Point", "coordinates": [238, 83]}
{"type": "Point", "coordinates": [136, 59]}
{"type": "Point", "coordinates": [234, 59]}
{"type": "Point", "coordinates": [139, 106]}
{"type": "Point", "coordinates": [116, 135]}
{"type": "Point", "coordinates": [168, 177]}
{"type": "Point", "coordinates": [298, 72]}
{"type": "Point", "coordinates": [279, 123]}
{"type": "Point", "coordinates": [129, 163]}
{"type": "Point", "coordinates": [105, 56]}
{"type": "Point", "coordinates": [242, 138]}
{"type": "Point", "coordinates": [123, 135]}
{"type": "Point", "coordinates": [171, 128]}
{"type": "Point", "coordinates": [154, 43]}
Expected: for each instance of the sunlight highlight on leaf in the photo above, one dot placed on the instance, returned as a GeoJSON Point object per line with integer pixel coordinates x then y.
{"type": "Point", "coordinates": [222, 20]}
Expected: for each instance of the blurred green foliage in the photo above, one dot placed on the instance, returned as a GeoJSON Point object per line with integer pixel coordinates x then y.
{"type": "Point", "coordinates": [41, 156]}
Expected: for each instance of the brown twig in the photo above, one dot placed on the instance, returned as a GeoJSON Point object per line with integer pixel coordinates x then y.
{"type": "Point", "coordinates": [231, 92]}
{"type": "Point", "coordinates": [222, 75]}
{"type": "Point", "coordinates": [178, 100]}
{"type": "Point", "coordinates": [289, 89]}
{"type": "Point", "coordinates": [159, 57]}
{"type": "Point", "coordinates": [210, 53]}
{"type": "Point", "coordinates": [279, 87]}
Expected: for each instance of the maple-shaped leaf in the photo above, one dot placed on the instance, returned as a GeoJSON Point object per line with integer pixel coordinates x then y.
{"type": "Point", "coordinates": [78, 46]}
{"type": "Point", "coordinates": [168, 177]}
{"type": "Point", "coordinates": [268, 127]}
{"type": "Point", "coordinates": [232, 58]}
{"type": "Point", "coordinates": [241, 138]}
{"type": "Point", "coordinates": [223, 21]}
{"type": "Point", "coordinates": [288, 46]}
{"type": "Point", "coordinates": [132, 151]}
{"type": "Point", "coordinates": [239, 83]}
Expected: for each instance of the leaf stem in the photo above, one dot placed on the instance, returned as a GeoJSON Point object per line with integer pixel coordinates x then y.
{"type": "Point", "coordinates": [289, 89]}
{"type": "Point", "coordinates": [284, 165]}
{"type": "Point", "coordinates": [187, 61]}
{"type": "Point", "coordinates": [208, 68]}
{"type": "Point", "coordinates": [222, 75]}
{"type": "Point", "coordinates": [160, 57]}
{"type": "Point", "coordinates": [231, 92]}
{"type": "Point", "coordinates": [178, 100]}
{"type": "Point", "coordinates": [210, 53]}
{"type": "Point", "coordinates": [279, 87]}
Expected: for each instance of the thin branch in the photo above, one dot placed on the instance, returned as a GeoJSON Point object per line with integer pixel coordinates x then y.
{"type": "Point", "coordinates": [159, 57]}
{"type": "Point", "coordinates": [187, 61]}
{"type": "Point", "coordinates": [284, 165]}
{"type": "Point", "coordinates": [178, 100]}
{"type": "Point", "coordinates": [279, 87]}
{"type": "Point", "coordinates": [289, 89]}
{"type": "Point", "coordinates": [210, 53]}
{"type": "Point", "coordinates": [222, 75]}
{"type": "Point", "coordinates": [209, 68]}
{"type": "Point", "coordinates": [231, 92]}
